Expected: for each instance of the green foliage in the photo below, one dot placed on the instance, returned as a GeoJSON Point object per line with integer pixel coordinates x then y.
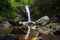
{"type": "Point", "coordinates": [12, 3]}
{"type": "Point", "coordinates": [8, 15]}
{"type": "Point", "coordinates": [25, 2]}
{"type": "Point", "coordinates": [46, 7]}
{"type": "Point", "coordinates": [7, 10]}
{"type": "Point", "coordinates": [10, 9]}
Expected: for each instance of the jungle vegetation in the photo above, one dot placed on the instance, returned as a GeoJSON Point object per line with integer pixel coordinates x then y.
{"type": "Point", "coordinates": [10, 9]}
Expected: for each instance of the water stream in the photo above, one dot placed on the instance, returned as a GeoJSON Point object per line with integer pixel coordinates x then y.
{"type": "Point", "coordinates": [29, 20]}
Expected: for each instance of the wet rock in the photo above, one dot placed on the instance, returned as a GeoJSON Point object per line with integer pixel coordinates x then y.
{"type": "Point", "coordinates": [13, 23]}
{"type": "Point", "coordinates": [57, 32]}
{"type": "Point", "coordinates": [43, 20]}
{"type": "Point", "coordinates": [5, 24]}
{"type": "Point", "coordinates": [54, 25]}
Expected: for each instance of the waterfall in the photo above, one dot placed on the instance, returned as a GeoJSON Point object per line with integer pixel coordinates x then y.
{"type": "Point", "coordinates": [29, 20]}
{"type": "Point", "coordinates": [28, 13]}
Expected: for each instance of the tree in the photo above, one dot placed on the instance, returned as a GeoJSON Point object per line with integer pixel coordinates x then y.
{"type": "Point", "coordinates": [7, 10]}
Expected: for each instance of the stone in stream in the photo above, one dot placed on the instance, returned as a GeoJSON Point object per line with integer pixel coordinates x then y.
{"type": "Point", "coordinates": [43, 20]}
{"type": "Point", "coordinates": [5, 24]}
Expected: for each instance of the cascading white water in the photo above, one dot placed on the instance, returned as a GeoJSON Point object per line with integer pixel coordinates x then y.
{"type": "Point", "coordinates": [28, 13]}
{"type": "Point", "coordinates": [29, 20]}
